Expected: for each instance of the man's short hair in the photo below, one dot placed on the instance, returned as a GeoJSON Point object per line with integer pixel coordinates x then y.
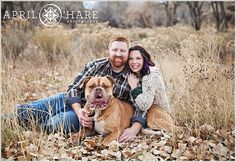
{"type": "Point", "coordinates": [119, 39]}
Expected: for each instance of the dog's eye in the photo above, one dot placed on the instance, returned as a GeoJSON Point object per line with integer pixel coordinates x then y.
{"type": "Point", "coordinates": [92, 86]}
{"type": "Point", "coordinates": [105, 86]}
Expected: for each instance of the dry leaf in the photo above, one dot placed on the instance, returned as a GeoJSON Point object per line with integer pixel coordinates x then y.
{"type": "Point", "coordinates": [198, 141]}
{"type": "Point", "coordinates": [22, 158]}
{"type": "Point", "coordinates": [83, 151]}
{"type": "Point", "coordinates": [84, 158]}
{"type": "Point", "coordinates": [176, 153]}
{"type": "Point", "coordinates": [161, 143]}
{"type": "Point", "coordinates": [204, 145]}
{"type": "Point", "coordinates": [164, 154]}
{"type": "Point", "coordinates": [90, 144]}
{"type": "Point", "coordinates": [114, 146]}
{"type": "Point", "coordinates": [167, 149]}
{"type": "Point", "coordinates": [219, 149]}
{"type": "Point", "coordinates": [191, 139]}
{"type": "Point", "coordinates": [181, 135]}
{"type": "Point", "coordinates": [34, 154]}
{"type": "Point", "coordinates": [48, 151]}
{"type": "Point", "coordinates": [147, 157]}
{"type": "Point", "coordinates": [116, 154]}
{"type": "Point", "coordinates": [156, 152]}
{"type": "Point", "coordinates": [31, 148]}
{"type": "Point", "coordinates": [207, 128]}
{"type": "Point", "coordinates": [231, 141]}
{"type": "Point", "coordinates": [127, 153]}
{"type": "Point", "coordinates": [182, 146]}
{"type": "Point", "coordinates": [183, 158]}
{"type": "Point", "coordinates": [212, 143]}
{"type": "Point", "coordinates": [142, 146]}
{"type": "Point", "coordinates": [223, 131]}
{"type": "Point", "coordinates": [188, 154]}
{"type": "Point", "coordinates": [137, 154]}
{"type": "Point", "coordinates": [112, 153]}
{"type": "Point", "coordinates": [214, 136]}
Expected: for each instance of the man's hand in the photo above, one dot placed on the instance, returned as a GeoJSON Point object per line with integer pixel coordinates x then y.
{"type": "Point", "coordinates": [83, 116]}
{"type": "Point", "coordinates": [84, 119]}
{"type": "Point", "coordinates": [130, 133]}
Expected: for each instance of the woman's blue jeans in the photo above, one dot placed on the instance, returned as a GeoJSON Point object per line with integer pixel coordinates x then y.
{"type": "Point", "coordinates": [51, 114]}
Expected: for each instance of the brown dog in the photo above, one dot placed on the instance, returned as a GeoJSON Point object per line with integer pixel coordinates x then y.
{"type": "Point", "coordinates": [112, 115]}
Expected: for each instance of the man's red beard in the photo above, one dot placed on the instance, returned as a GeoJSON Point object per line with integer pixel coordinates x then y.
{"type": "Point", "coordinates": [118, 61]}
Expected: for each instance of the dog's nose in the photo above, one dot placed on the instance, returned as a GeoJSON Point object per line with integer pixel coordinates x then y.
{"type": "Point", "coordinates": [98, 90]}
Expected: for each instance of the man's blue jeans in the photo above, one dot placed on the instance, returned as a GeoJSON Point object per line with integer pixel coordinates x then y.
{"type": "Point", "coordinates": [50, 113]}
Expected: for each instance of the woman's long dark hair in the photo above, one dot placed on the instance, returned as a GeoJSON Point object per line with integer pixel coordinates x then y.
{"type": "Point", "coordinates": [146, 69]}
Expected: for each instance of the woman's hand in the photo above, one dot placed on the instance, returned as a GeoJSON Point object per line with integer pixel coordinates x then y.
{"type": "Point", "coordinates": [130, 133]}
{"type": "Point", "coordinates": [133, 81]}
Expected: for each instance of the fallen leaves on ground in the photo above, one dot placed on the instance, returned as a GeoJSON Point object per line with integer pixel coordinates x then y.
{"type": "Point", "coordinates": [206, 143]}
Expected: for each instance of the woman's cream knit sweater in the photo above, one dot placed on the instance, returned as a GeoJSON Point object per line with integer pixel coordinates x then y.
{"type": "Point", "coordinates": [153, 92]}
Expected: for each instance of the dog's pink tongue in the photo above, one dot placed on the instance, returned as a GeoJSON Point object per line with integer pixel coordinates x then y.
{"type": "Point", "coordinates": [99, 102]}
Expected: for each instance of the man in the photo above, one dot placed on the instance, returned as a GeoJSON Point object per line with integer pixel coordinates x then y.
{"type": "Point", "coordinates": [64, 111]}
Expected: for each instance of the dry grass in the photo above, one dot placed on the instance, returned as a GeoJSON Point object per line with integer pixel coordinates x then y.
{"type": "Point", "coordinates": [15, 35]}
{"type": "Point", "coordinates": [200, 82]}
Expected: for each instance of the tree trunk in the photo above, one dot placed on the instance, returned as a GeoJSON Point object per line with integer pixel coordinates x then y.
{"type": "Point", "coordinates": [224, 23]}
{"type": "Point", "coordinates": [195, 12]}
{"type": "Point", "coordinates": [220, 16]}
{"type": "Point", "coordinates": [170, 8]}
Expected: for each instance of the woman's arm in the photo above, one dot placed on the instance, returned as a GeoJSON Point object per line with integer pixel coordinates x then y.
{"type": "Point", "coordinates": [152, 89]}
{"type": "Point", "coordinates": [130, 133]}
{"type": "Point", "coordinates": [144, 96]}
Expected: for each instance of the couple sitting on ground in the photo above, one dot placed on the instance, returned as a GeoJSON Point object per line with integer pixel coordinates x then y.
{"type": "Point", "coordinates": [138, 82]}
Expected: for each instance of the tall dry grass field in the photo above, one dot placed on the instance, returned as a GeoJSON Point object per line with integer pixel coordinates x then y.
{"type": "Point", "coordinates": [198, 68]}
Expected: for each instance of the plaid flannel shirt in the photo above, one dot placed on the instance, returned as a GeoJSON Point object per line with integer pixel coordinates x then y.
{"type": "Point", "coordinates": [121, 90]}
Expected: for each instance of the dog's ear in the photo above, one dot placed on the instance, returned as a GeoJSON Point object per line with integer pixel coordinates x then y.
{"type": "Point", "coordinates": [85, 81]}
{"type": "Point", "coordinates": [111, 79]}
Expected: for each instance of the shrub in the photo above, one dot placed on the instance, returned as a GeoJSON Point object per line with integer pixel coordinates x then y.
{"type": "Point", "coordinates": [15, 37]}
{"type": "Point", "coordinates": [54, 42]}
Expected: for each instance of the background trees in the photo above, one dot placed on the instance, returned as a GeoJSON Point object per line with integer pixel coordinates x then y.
{"type": "Point", "coordinates": [126, 14]}
{"type": "Point", "coordinates": [220, 16]}
{"type": "Point", "coordinates": [195, 9]}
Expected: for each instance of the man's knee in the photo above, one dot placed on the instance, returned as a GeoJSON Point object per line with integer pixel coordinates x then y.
{"type": "Point", "coordinates": [22, 115]}
{"type": "Point", "coordinates": [64, 122]}
{"type": "Point", "coordinates": [60, 127]}
{"type": "Point", "coordinates": [23, 111]}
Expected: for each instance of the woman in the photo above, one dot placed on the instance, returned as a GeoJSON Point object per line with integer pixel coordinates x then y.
{"type": "Point", "coordinates": [148, 90]}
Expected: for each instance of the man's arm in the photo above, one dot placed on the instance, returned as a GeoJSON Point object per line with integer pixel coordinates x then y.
{"type": "Point", "coordinates": [74, 94]}
{"type": "Point", "coordinates": [139, 115]}
{"type": "Point", "coordinates": [138, 121]}
{"type": "Point", "coordinates": [75, 89]}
